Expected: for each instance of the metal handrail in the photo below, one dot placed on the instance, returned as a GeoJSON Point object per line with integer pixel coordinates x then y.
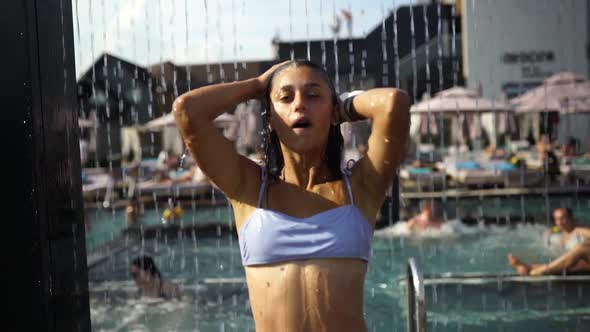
{"type": "Point", "coordinates": [416, 298]}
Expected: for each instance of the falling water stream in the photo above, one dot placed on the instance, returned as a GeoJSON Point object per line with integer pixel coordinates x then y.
{"type": "Point", "coordinates": [205, 258]}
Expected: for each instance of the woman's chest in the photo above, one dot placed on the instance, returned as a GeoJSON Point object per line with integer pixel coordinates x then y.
{"type": "Point", "coordinates": [304, 202]}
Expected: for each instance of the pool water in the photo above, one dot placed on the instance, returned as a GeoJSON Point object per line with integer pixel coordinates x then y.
{"type": "Point", "coordinates": [216, 302]}
{"type": "Point", "coordinates": [104, 225]}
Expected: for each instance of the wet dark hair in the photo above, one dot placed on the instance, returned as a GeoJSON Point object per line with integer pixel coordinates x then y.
{"type": "Point", "coordinates": [147, 264]}
{"type": "Point", "coordinates": [273, 156]}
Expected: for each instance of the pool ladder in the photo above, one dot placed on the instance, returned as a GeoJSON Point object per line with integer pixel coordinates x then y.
{"type": "Point", "coordinates": [416, 298]}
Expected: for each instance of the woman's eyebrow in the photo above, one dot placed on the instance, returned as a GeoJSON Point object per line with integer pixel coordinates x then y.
{"type": "Point", "coordinates": [312, 85]}
{"type": "Point", "coordinates": [286, 88]}
{"type": "Point", "coordinates": [289, 87]}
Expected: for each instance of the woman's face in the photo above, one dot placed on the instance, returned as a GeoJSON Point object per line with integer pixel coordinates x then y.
{"type": "Point", "coordinates": [302, 108]}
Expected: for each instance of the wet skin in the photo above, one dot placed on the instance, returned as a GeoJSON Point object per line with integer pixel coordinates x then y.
{"type": "Point", "coordinates": [312, 294]}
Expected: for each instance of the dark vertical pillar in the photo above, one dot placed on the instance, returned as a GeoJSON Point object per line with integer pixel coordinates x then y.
{"type": "Point", "coordinates": [588, 35]}
{"type": "Point", "coordinates": [40, 107]}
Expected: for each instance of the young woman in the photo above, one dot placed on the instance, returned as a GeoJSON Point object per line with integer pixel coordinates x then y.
{"type": "Point", "coordinates": [304, 227]}
{"type": "Point", "coordinates": [149, 280]}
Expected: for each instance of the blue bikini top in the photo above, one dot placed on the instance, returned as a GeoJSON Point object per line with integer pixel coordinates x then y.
{"type": "Point", "coordinates": [271, 236]}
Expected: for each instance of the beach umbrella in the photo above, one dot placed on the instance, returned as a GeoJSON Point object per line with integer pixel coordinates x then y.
{"type": "Point", "coordinates": [459, 99]}
{"type": "Point", "coordinates": [564, 92]}
{"type": "Point", "coordinates": [465, 103]}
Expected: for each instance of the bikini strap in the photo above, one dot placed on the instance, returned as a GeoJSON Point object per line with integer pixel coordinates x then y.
{"type": "Point", "coordinates": [346, 173]}
{"type": "Point", "coordinates": [264, 178]}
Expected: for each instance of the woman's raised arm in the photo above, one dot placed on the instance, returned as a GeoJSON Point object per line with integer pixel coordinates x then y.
{"type": "Point", "coordinates": [195, 111]}
{"type": "Point", "coordinates": [389, 111]}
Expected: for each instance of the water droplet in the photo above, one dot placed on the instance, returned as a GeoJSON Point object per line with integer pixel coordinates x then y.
{"type": "Point", "coordinates": [182, 158]}
{"type": "Point", "coordinates": [386, 140]}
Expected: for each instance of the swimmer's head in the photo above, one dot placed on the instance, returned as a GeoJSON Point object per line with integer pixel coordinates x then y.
{"type": "Point", "coordinates": [132, 210]}
{"type": "Point", "coordinates": [300, 114]}
{"type": "Point", "coordinates": [564, 218]}
{"type": "Point", "coordinates": [430, 206]}
{"type": "Point", "coordinates": [144, 270]}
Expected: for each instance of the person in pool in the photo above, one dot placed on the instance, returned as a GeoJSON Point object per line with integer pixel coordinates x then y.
{"type": "Point", "coordinates": [565, 230]}
{"type": "Point", "coordinates": [304, 225]}
{"type": "Point", "coordinates": [576, 260]}
{"type": "Point", "coordinates": [429, 217]}
{"type": "Point", "coordinates": [574, 238]}
{"type": "Point", "coordinates": [132, 212]}
{"type": "Point", "coordinates": [149, 281]}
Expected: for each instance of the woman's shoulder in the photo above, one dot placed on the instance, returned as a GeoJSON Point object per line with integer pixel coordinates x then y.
{"type": "Point", "coordinates": [171, 289]}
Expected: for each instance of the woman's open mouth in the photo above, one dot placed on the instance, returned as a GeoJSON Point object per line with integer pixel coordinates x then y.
{"type": "Point", "coordinates": [301, 125]}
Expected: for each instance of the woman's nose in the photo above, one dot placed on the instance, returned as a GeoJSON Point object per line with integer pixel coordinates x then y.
{"type": "Point", "coordinates": [299, 102]}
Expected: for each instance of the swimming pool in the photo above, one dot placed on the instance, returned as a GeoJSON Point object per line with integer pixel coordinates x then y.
{"type": "Point", "coordinates": [104, 225]}
{"type": "Point", "coordinates": [211, 271]}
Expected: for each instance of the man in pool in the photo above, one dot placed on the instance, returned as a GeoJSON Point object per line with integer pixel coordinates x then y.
{"type": "Point", "coordinates": [576, 239]}
{"type": "Point", "coordinates": [149, 280]}
{"type": "Point", "coordinates": [429, 217]}
{"type": "Point", "coordinates": [576, 260]}
{"type": "Point", "coordinates": [566, 230]}
{"type": "Point", "coordinates": [132, 212]}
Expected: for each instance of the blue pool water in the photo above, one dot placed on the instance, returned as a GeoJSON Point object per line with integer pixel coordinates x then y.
{"type": "Point", "coordinates": [202, 264]}
{"type": "Point", "coordinates": [104, 225]}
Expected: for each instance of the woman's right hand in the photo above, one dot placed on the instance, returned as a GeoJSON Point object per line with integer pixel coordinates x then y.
{"type": "Point", "coordinates": [264, 79]}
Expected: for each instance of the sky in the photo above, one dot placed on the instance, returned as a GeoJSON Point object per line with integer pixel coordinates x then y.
{"type": "Point", "coordinates": [147, 32]}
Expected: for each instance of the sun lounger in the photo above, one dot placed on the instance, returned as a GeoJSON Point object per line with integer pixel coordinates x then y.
{"type": "Point", "coordinates": [579, 168]}
{"type": "Point", "coordinates": [424, 176]}
{"type": "Point", "coordinates": [170, 188]}
{"type": "Point", "coordinates": [91, 183]}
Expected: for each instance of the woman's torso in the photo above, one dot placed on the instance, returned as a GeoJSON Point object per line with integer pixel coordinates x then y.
{"type": "Point", "coordinates": [324, 294]}
{"type": "Point", "coordinates": [308, 295]}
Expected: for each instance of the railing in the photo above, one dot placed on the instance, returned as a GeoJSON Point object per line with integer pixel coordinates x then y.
{"type": "Point", "coordinates": [416, 298]}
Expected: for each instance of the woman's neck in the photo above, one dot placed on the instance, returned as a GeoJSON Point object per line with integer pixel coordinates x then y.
{"type": "Point", "coordinates": [305, 169]}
